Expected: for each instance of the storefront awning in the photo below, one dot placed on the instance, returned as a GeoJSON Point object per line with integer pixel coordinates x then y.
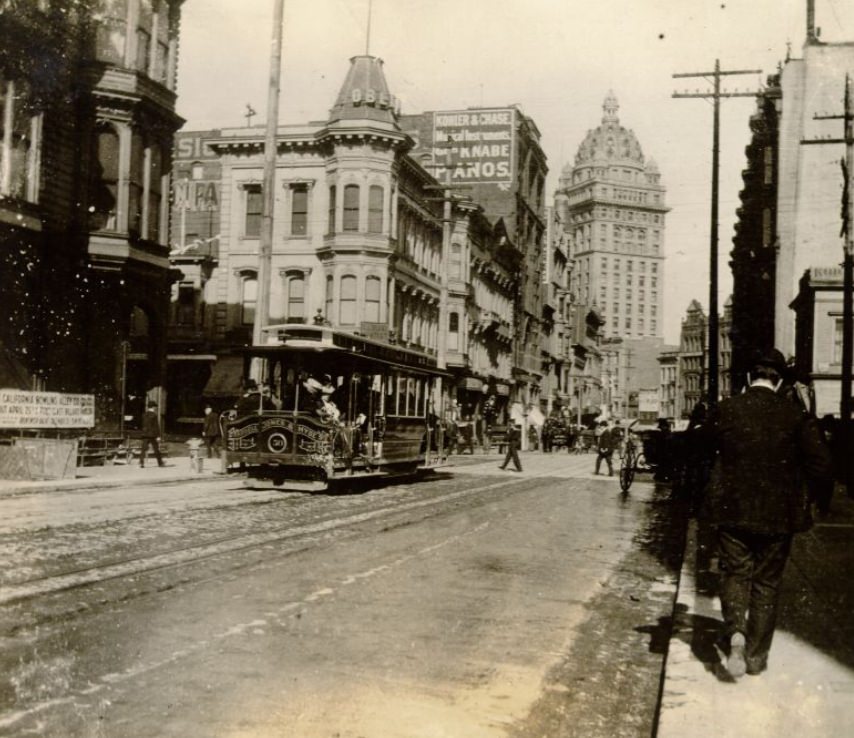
{"type": "Point", "coordinates": [226, 376]}
{"type": "Point", "coordinates": [471, 383]}
{"type": "Point", "coordinates": [502, 389]}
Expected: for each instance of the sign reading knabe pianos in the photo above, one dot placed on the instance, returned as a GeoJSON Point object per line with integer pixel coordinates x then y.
{"type": "Point", "coordinates": [479, 144]}
{"type": "Point", "coordinates": [23, 409]}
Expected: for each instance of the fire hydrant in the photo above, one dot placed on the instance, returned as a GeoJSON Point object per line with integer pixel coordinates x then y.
{"type": "Point", "coordinates": [197, 461]}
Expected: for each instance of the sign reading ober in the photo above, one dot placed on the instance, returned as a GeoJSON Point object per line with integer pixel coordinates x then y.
{"type": "Point", "coordinates": [24, 409]}
{"type": "Point", "coordinates": [479, 144]}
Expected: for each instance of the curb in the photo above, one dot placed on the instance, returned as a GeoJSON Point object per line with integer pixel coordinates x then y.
{"type": "Point", "coordinates": [88, 483]}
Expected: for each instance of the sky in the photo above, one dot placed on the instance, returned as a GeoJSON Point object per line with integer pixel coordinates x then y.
{"type": "Point", "coordinates": [556, 59]}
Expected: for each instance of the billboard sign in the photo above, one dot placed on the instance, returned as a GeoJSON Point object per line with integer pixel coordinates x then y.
{"type": "Point", "coordinates": [24, 409]}
{"type": "Point", "coordinates": [478, 144]}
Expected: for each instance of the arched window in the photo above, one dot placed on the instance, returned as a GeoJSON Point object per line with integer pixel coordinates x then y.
{"type": "Point", "coordinates": [295, 285]}
{"type": "Point", "coordinates": [347, 307]}
{"type": "Point", "coordinates": [351, 208]}
{"type": "Point", "coordinates": [375, 209]}
{"type": "Point", "coordinates": [372, 299]}
{"type": "Point", "coordinates": [332, 199]}
{"type": "Point", "coordinates": [248, 298]}
{"type": "Point", "coordinates": [104, 186]}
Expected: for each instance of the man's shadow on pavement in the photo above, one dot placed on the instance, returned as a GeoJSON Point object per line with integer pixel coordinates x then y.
{"type": "Point", "coordinates": [700, 632]}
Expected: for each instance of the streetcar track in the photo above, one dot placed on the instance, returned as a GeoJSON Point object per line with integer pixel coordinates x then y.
{"type": "Point", "coordinates": [72, 579]}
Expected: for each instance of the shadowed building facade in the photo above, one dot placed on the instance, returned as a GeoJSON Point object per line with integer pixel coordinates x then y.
{"type": "Point", "coordinates": [88, 116]}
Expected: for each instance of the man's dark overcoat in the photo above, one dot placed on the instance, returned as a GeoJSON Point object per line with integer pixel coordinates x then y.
{"type": "Point", "coordinates": [151, 424]}
{"type": "Point", "coordinates": [767, 453]}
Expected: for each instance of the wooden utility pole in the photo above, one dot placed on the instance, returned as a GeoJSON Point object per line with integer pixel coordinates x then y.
{"type": "Point", "coordinates": [847, 272]}
{"type": "Point", "coordinates": [716, 96]}
{"type": "Point", "coordinates": [447, 199]}
{"type": "Point", "coordinates": [265, 242]}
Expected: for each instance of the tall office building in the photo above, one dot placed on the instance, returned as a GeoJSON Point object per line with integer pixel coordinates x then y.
{"type": "Point", "coordinates": [612, 203]}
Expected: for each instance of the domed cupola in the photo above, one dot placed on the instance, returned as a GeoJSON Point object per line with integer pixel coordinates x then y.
{"type": "Point", "coordinates": [365, 94]}
{"type": "Point", "coordinates": [610, 142]}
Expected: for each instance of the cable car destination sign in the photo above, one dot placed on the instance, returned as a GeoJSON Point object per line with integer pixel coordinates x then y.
{"type": "Point", "coordinates": [480, 144]}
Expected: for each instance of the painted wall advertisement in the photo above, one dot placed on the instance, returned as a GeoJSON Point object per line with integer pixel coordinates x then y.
{"type": "Point", "coordinates": [23, 409]}
{"type": "Point", "coordinates": [479, 145]}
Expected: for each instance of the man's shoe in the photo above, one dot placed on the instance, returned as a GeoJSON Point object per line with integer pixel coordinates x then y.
{"type": "Point", "coordinates": [503, 468]}
{"type": "Point", "coordinates": [756, 665]}
{"type": "Point", "coordinates": [735, 663]}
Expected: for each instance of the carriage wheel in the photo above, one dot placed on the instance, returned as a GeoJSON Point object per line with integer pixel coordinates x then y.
{"type": "Point", "coordinates": [627, 471]}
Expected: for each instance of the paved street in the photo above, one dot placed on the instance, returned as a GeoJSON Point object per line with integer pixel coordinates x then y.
{"type": "Point", "coordinates": [474, 603]}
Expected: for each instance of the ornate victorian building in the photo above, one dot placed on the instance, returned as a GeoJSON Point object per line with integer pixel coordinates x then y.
{"type": "Point", "coordinates": [359, 242]}
{"type": "Point", "coordinates": [88, 98]}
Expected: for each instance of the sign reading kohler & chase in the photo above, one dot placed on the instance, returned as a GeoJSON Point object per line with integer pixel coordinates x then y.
{"type": "Point", "coordinates": [24, 409]}
{"type": "Point", "coordinates": [478, 144]}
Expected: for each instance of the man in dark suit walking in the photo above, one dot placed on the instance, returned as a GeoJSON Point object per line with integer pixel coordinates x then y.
{"type": "Point", "coordinates": [513, 440]}
{"type": "Point", "coordinates": [767, 450]}
{"type": "Point", "coordinates": [151, 434]}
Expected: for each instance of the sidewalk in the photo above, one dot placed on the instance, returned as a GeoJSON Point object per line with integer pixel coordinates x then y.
{"type": "Point", "coordinates": [177, 469]}
{"type": "Point", "coordinates": [808, 689]}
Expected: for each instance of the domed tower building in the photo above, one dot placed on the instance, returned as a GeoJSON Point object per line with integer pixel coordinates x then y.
{"type": "Point", "coordinates": [612, 204]}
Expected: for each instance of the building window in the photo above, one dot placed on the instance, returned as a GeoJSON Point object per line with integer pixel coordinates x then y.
{"type": "Point", "coordinates": [331, 224]}
{"type": "Point", "coordinates": [769, 164]}
{"type": "Point", "coordinates": [375, 209]}
{"type": "Point", "coordinates": [104, 188]}
{"type": "Point", "coordinates": [454, 331]}
{"type": "Point", "coordinates": [766, 227]}
{"type": "Point", "coordinates": [330, 295]}
{"type": "Point", "coordinates": [254, 205]}
{"type": "Point", "coordinates": [185, 309]}
{"type": "Point", "coordinates": [299, 210]}
{"type": "Point", "coordinates": [136, 182]}
{"type": "Point", "coordinates": [112, 32]}
{"type": "Point", "coordinates": [19, 141]}
{"type": "Point", "coordinates": [248, 298]}
{"type": "Point", "coordinates": [143, 36]}
{"type": "Point", "coordinates": [372, 299]}
{"type": "Point", "coordinates": [155, 192]}
{"type": "Point", "coordinates": [455, 270]}
{"type": "Point", "coordinates": [351, 208]}
{"type": "Point", "coordinates": [347, 306]}
{"type": "Point", "coordinates": [836, 357]}
{"type": "Point", "coordinates": [296, 298]}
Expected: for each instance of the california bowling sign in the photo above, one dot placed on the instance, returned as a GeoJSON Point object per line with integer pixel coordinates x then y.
{"type": "Point", "coordinates": [478, 145]}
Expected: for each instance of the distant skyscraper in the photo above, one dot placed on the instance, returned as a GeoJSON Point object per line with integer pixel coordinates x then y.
{"type": "Point", "coordinates": [613, 206]}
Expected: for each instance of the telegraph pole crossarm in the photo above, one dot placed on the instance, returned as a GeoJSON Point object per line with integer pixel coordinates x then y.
{"type": "Point", "coordinates": [847, 275]}
{"type": "Point", "coordinates": [716, 95]}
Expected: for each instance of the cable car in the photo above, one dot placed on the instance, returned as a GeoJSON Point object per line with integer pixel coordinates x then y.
{"type": "Point", "coordinates": [329, 405]}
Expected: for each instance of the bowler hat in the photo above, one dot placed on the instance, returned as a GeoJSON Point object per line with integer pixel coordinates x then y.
{"type": "Point", "coordinates": [771, 358]}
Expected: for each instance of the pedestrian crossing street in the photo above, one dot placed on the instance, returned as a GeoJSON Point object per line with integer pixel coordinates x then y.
{"type": "Point", "coordinates": [537, 464]}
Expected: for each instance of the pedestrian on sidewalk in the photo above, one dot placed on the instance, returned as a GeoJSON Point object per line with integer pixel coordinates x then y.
{"type": "Point", "coordinates": [151, 434]}
{"type": "Point", "coordinates": [768, 455]}
{"type": "Point", "coordinates": [606, 443]}
{"type": "Point", "coordinates": [513, 440]}
{"type": "Point", "coordinates": [211, 433]}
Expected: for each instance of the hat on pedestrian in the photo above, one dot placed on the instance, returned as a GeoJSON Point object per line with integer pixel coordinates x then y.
{"type": "Point", "coordinates": [772, 359]}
